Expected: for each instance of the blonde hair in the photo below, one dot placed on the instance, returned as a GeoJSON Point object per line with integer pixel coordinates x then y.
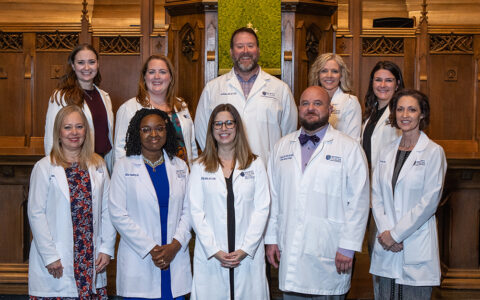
{"type": "Point", "coordinates": [87, 155]}
{"type": "Point", "coordinates": [142, 94]}
{"type": "Point", "coordinates": [319, 64]}
{"type": "Point", "coordinates": [243, 154]}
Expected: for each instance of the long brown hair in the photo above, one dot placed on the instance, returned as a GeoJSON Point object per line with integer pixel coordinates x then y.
{"type": "Point", "coordinates": [142, 94]}
{"type": "Point", "coordinates": [370, 98]}
{"type": "Point", "coordinates": [87, 154]}
{"type": "Point", "coordinates": [69, 88]}
{"type": "Point", "coordinates": [243, 154]}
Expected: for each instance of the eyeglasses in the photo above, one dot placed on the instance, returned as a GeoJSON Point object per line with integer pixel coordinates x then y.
{"type": "Point", "coordinates": [229, 124]}
{"type": "Point", "coordinates": [150, 130]}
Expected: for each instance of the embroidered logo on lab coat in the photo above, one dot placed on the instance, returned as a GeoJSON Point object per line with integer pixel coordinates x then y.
{"type": "Point", "coordinates": [268, 94]}
{"type": "Point", "coordinates": [181, 173]}
{"type": "Point", "coordinates": [333, 158]}
{"type": "Point", "coordinates": [248, 174]}
{"type": "Point", "coordinates": [419, 163]}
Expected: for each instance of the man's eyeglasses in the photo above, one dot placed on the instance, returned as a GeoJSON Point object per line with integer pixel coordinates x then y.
{"type": "Point", "coordinates": [149, 130]}
{"type": "Point", "coordinates": [229, 124]}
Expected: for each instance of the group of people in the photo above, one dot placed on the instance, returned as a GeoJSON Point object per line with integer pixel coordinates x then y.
{"type": "Point", "coordinates": [260, 190]}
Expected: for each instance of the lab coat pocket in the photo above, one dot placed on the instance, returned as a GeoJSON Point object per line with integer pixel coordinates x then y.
{"type": "Point", "coordinates": [267, 110]}
{"type": "Point", "coordinates": [417, 248]}
{"type": "Point", "coordinates": [322, 237]}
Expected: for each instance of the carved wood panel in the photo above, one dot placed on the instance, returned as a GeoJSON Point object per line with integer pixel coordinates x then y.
{"type": "Point", "coordinates": [10, 41]}
{"type": "Point", "coordinates": [13, 122]}
{"type": "Point", "coordinates": [57, 41]}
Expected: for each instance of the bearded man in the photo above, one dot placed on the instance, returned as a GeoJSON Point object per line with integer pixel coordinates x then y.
{"type": "Point", "coordinates": [319, 204]}
{"type": "Point", "coordinates": [264, 102]}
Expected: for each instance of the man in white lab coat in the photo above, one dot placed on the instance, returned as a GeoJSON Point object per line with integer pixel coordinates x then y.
{"type": "Point", "coordinates": [320, 200]}
{"type": "Point", "coordinates": [265, 103]}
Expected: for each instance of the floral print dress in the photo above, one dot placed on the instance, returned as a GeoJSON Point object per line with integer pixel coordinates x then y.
{"type": "Point", "coordinates": [83, 250]}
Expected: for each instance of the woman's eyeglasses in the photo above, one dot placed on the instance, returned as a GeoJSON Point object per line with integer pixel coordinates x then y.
{"type": "Point", "coordinates": [149, 130]}
{"type": "Point", "coordinates": [229, 124]}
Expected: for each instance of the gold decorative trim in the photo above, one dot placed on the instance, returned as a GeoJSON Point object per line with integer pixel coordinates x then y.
{"type": "Point", "coordinates": [120, 45]}
{"type": "Point", "coordinates": [11, 41]}
{"type": "Point", "coordinates": [57, 40]}
{"type": "Point", "coordinates": [451, 43]}
{"type": "Point", "coordinates": [382, 46]}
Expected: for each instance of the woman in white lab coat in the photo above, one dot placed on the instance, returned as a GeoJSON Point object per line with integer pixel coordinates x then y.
{"type": "Point", "coordinates": [229, 204]}
{"type": "Point", "coordinates": [147, 208]}
{"type": "Point", "coordinates": [79, 86]}
{"type": "Point", "coordinates": [73, 238]}
{"type": "Point", "coordinates": [156, 88]}
{"type": "Point", "coordinates": [406, 189]}
{"type": "Point", "coordinates": [331, 72]}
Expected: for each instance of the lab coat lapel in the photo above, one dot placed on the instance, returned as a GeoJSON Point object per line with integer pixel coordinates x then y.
{"type": "Point", "coordinates": [296, 150]}
{"type": "Point", "coordinates": [61, 178]}
{"type": "Point", "coordinates": [234, 83]}
{"type": "Point", "coordinates": [144, 176]}
{"type": "Point", "coordinates": [257, 85]}
{"type": "Point", "coordinates": [382, 120]}
{"type": "Point", "coordinates": [327, 139]}
{"type": "Point", "coordinates": [413, 157]}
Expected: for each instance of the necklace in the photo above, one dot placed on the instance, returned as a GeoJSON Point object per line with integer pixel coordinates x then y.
{"type": "Point", "coordinates": [154, 164]}
{"type": "Point", "coordinates": [86, 94]}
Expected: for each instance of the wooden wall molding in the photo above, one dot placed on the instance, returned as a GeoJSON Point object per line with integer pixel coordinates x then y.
{"type": "Point", "coordinates": [11, 41]}
{"type": "Point", "coordinates": [451, 43]}
{"type": "Point", "coordinates": [382, 46]}
{"type": "Point", "coordinates": [124, 45]}
{"type": "Point", "coordinates": [57, 40]}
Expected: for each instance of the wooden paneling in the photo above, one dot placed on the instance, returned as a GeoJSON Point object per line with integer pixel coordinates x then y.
{"type": "Point", "coordinates": [45, 81]}
{"type": "Point", "coordinates": [451, 100]}
{"type": "Point", "coordinates": [120, 75]}
{"type": "Point", "coordinates": [12, 216]}
{"type": "Point", "coordinates": [11, 94]}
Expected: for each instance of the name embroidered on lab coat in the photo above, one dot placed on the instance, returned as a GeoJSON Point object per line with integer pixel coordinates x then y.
{"type": "Point", "coordinates": [131, 174]}
{"type": "Point", "coordinates": [228, 93]}
{"type": "Point", "coordinates": [207, 178]}
{"type": "Point", "coordinates": [285, 157]}
{"type": "Point", "coordinates": [181, 173]}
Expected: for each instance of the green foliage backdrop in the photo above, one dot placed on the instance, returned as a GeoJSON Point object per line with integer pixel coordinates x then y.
{"type": "Point", "coordinates": [263, 15]}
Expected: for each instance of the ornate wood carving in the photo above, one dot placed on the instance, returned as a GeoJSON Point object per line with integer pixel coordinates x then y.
{"type": "Point", "coordinates": [451, 43]}
{"type": "Point", "coordinates": [120, 45]}
{"type": "Point", "coordinates": [382, 46]}
{"type": "Point", "coordinates": [11, 41]}
{"type": "Point", "coordinates": [311, 45]}
{"type": "Point", "coordinates": [188, 41]}
{"type": "Point", "coordinates": [57, 40]}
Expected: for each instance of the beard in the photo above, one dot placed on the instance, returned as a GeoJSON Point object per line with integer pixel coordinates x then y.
{"type": "Point", "coordinates": [312, 126]}
{"type": "Point", "coordinates": [242, 67]}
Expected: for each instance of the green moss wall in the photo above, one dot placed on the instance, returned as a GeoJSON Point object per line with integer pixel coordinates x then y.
{"type": "Point", "coordinates": [264, 15]}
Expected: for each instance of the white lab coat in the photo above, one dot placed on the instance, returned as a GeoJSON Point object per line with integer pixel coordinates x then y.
{"type": "Point", "coordinates": [382, 135]}
{"type": "Point", "coordinates": [53, 109]}
{"type": "Point", "coordinates": [318, 211]}
{"type": "Point", "coordinates": [50, 217]}
{"type": "Point", "coordinates": [135, 213]}
{"type": "Point", "coordinates": [346, 115]}
{"type": "Point", "coordinates": [207, 196]}
{"type": "Point", "coordinates": [409, 214]}
{"type": "Point", "coordinates": [268, 113]}
{"type": "Point", "coordinates": [126, 112]}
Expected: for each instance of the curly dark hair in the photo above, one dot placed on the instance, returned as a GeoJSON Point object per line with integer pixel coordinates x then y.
{"type": "Point", "coordinates": [133, 145]}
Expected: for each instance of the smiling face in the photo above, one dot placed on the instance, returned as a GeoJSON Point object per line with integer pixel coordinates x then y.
{"type": "Point", "coordinates": [85, 65]}
{"type": "Point", "coordinates": [384, 86]}
{"type": "Point", "coordinates": [223, 135]}
{"type": "Point", "coordinates": [72, 132]}
{"type": "Point", "coordinates": [314, 109]}
{"type": "Point", "coordinates": [408, 114]}
{"type": "Point", "coordinates": [157, 77]}
{"type": "Point", "coordinates": [153, 136]}
{"type": "Point", "coordinates": [330, 76]}
{"type": "Point", "coordinates": [245, 52]}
